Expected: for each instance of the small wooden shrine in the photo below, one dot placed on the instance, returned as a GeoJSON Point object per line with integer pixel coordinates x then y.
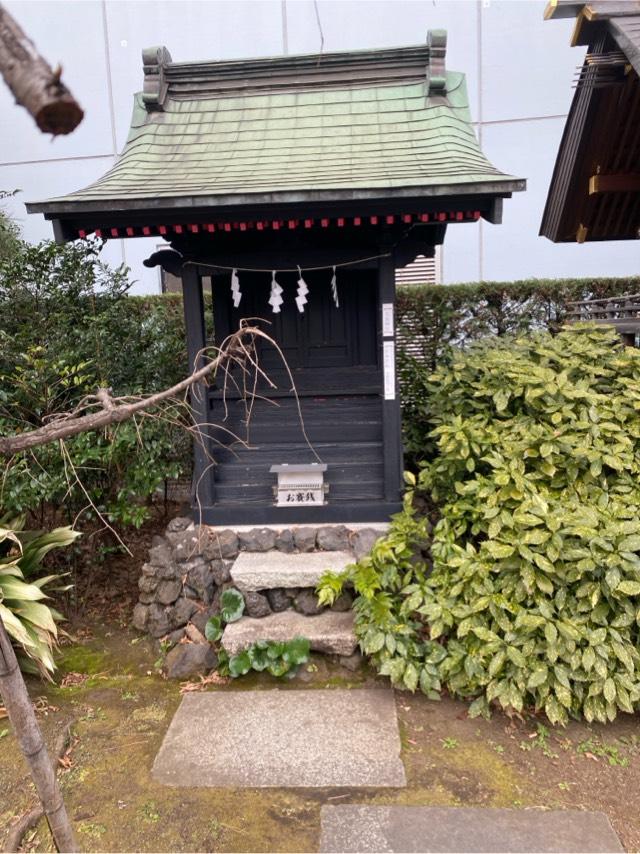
{"type": "Point", "coordinates": [298, 184]}
{"type": "Point", "coordinates": [595, 188]}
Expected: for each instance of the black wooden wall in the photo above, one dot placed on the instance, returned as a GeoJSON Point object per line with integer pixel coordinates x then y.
{"type": "Point", "coordinates": [333, 355]}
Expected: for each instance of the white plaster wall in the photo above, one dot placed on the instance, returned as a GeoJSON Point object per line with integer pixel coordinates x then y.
{"type": "Point", "coordinates": [519, 70]}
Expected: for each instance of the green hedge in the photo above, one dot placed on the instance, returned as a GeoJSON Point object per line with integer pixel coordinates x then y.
{"type": "Point", "coordinates": [431, 318]}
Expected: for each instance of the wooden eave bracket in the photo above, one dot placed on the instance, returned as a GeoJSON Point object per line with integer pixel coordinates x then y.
{"type": "Point", "coordinates": [155, 86]}
{"type": "Point", "coordinates": [437, 70]}
{"type": "Point", "coordinates": [614, 184]}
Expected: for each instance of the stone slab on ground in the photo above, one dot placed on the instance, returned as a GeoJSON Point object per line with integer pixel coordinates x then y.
{"type": "Point", "coordinates": [331, 632]}
{"type": "Point", "coordinates": [270, 569]}
{"type": "Point", "coordinates": [314, 738]}
{"type": "Point", "coordinates": [355, 828]}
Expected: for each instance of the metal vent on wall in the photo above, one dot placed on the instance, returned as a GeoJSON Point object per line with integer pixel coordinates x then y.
{"type": "Point", "coordinates": [422, 271]}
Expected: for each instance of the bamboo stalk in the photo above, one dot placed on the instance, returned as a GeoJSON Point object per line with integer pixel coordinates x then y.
{"type": "Point", "coordinates": [25, 726]}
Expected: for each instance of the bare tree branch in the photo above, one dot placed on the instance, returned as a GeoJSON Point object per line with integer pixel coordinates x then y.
{"type": "Point", "coordinates": [35, 85]}
{"type": "Point", "coordinates": [114, 410]}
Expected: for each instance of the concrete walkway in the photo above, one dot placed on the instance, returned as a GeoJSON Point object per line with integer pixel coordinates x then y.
{"type": "Point", "coordinates": [315, 738]}
{"type": "Point", "coordinates": [353, 828]}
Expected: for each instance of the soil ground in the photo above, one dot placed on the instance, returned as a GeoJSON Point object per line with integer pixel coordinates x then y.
{"type": "Point", "coordinates": [121, 707]}
{"type": "Point", "coordinates": [108, 684]}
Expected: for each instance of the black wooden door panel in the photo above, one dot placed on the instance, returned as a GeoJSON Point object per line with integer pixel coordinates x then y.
{"type": "Point", "coordinates": [324, 336]}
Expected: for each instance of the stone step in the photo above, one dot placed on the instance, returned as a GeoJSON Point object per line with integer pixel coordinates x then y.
{"type": "Point", "coordinates": [331, 632]}
{"type": "Point", "coordinates": [266, 570]}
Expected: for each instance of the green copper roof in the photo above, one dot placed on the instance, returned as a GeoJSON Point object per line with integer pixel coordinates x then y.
{"type": "Point", "coordinates": [373, 123]}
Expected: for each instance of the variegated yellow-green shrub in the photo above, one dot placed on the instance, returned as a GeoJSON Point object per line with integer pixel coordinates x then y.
{"type": "Point", "coordinates": [528, 595]}
{"type": "Point", "coordinates": [30, 622]}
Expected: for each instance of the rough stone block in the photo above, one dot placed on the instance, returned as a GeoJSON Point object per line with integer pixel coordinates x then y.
{"type": "Point", "coordinates": [200, 617]}
{"type": "Point", "coordinates": [147, 584]}
{"type": "Point", "coordinates": [285, 541]}
{"type": "Point", "coordinates": [168, 592]}
{"type": "Point", "coordinates": [158, 621]}
{"type": "Point", "coordinates": [200, 578]}
{"type": "Point", "coordinates": [305, 539]}
{"type": "Point", "coordinates": [278, 599]}
{"type": "Point", "coordinates": [352, 662]}
{"type": "Point", "coordinates": [329, 632]}
{"type": "Point", "coordinates": [182, 612]}
{"type": "Point", "coordinates": [332, 538]}
{"type": "Point", "coordinates": [320, 738]}
{"type": "Point", "coordinates": [363, 540]}
{"type": "Point", "coordinates": [140, 616]}
{"type": "Point", "coordinates": [256, 604]}
{"type": "Point", "coordinates": [306, 602]}
{"type": "Point", "coordinates": [220, 571]}
{"type": "Point", "coordinates": [170, 640]}
{"type": "Point", "coordinates": [252, 571]}
{"type": "Point", "coordinates": [186, 659]}
{"type": "Point", "coordinates": [257, 539]}
{"type": "Point", "coordinates": [179, 524]}
{"type": "Point", "coordinates": [160, 555]}
{"type": "Point", "coordinates": [220, 545]}
{"type": "Point", "coordinates": [344, 601]}
{"type": "Point", "coordinates": [186, 545]}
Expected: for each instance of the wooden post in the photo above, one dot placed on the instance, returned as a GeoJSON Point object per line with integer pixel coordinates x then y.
{"type": "Point", "coordinates": [25, 726]}
{"type": "Point", "coordinates": [391, 420]}
{"type": "Point", "coordinates": [203, 475]}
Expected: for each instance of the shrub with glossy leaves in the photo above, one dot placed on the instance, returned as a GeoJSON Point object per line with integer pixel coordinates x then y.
{"type": "Point", "coordinates": [533, 598]}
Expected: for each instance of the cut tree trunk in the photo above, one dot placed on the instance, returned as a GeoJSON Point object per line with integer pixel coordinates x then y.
{"type": "Point", "coordinates": [35, 85]}
{"type": "Point", "coordinates": [25, 726]}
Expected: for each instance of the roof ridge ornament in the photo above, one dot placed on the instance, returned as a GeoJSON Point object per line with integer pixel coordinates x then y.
{"type": "Point", "coordinates": [154, 88]}
{"type": "Point", "coordinates": [436, 70]}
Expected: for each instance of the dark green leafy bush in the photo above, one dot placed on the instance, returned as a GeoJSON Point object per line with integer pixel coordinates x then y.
{"type": "Point", "coordinates": [431, 319]}
{"type": "Point", "coordinates": [68, 326]}
{"type": "Point", "coordinates": [528, 595]}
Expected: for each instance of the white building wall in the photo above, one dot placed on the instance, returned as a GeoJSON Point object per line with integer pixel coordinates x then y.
{"type": "Point", "coordinates": [519, 71]}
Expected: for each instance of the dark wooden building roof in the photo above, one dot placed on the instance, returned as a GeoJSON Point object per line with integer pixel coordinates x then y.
{"type": "Point", "coordinates": [348, 130]}
{"type": "Point", "coordinates": [595, 188]}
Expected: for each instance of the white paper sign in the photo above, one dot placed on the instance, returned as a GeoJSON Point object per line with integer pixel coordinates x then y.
{"type": "Point", "coordinates": [300, 488]}
{"type": "Point", "coordinates": [389, 367]}
{"type": "Point", "coordinates": [307, 497]}
{"type": "Point", "coordinates": [387, 319]}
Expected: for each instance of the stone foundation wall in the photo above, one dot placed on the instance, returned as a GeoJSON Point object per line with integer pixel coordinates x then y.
{"type": "Point", "coordinates": [190, 566]}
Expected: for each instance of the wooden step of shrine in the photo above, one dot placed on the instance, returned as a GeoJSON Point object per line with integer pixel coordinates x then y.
{"type": "Point", "coordinates": [271, 569]}
{"type": "Point", "coordinates": [331, 632]}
